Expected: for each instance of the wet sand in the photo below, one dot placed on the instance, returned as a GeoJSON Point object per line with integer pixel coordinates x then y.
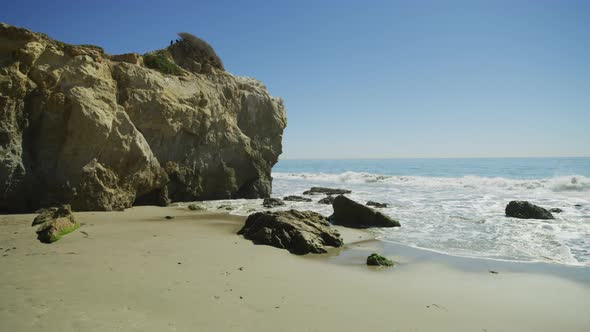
{"type": "Point", "coordinates": [137, 271]}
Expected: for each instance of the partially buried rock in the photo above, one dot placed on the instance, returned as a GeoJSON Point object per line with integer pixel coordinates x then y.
{"type": "Point", "coordinates": [54, 223]}
{"type": "Point", "coordinates": [556, 210]}
{"type": "Point", "coordinates": [272, 202]}
{"type": "Point", "coordinates": [526, 210]}
{"type": "Point", "coordinates": [294, 198]}
{"type": "Point", "coordinates": [326, 191]}
{"type": "Point", "coordinates": [300, 232]}
{"type": "Point", "coordinates": [377, 204]}
{"type": "Point", "coordinates": [327, 200]}
{"type": "Point", "coordinates": [349, 213]}
{"type": "Point", "coordinates": [377, 260]}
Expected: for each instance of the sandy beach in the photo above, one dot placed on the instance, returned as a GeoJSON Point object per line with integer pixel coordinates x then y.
{"type": "Point", "coordinates": [137, 271]}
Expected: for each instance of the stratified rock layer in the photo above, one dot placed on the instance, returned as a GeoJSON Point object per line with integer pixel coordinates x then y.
{"type": "Point", "coordinates": [101, 132]}
{"type": "Point", "coordinates": [300, 232]}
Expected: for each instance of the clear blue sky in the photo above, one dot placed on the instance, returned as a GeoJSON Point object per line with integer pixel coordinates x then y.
{"type": "Point", "coordinates": [369, 79]}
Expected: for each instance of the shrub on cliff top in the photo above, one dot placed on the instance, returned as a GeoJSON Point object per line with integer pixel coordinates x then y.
{"type": "Point", "coordinates": [198, 49]}
{"type": "Point", "coordinates": [160, 62]}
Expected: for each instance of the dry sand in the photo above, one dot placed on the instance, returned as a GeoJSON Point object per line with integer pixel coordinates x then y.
{"type": "Point", "coordinates": [136, 271]}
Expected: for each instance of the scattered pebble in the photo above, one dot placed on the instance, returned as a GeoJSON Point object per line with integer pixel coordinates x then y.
{"type": "Point", "coordinates": [241, 268]}
{"type": "Point", "coordinates": [241, 298]}
{"type": "Point", "coordinates": [179, 263]}
{"type": "Point", "coordinates": [277, 307]}
{"type": "Point", "coordinates": [494, 272]}
{"type": "Point", "coordinates": [169, 217]}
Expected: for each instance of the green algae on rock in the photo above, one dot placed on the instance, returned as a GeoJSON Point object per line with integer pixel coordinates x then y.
{"type": "Point", "coordinates": [377, 260]}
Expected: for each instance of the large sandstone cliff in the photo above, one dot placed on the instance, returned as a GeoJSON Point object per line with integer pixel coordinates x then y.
{"type": "Point", "coordinates": [105, 132]}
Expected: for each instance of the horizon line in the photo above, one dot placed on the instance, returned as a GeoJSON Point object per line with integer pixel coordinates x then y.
{"type": "Point", "coordinates": [384, 158]}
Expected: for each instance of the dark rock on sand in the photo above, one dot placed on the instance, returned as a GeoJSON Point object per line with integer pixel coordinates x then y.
{"type": "Point", "coordinates": [54, 223]}
{"type": "Point", "coordinates": [349, 213]}
{"type": "Point", "coordinates": [377, 204]}
{"type": "Point", "coordinates": [526, 210]}
{"type": "Point", "coordinates": [294, 198]}
{"type": "Point", "coordinates": [300, 232]}
{"type": "Point", "coordinates": [556, 210]}
{"type": "Point", "coordinates": [377, 260]}
{"type": "Point", "coordinates": [326, 191]}
{"type": "Point", "coordinates": [272, 202]}
{"type": "Point", "coordinates": [327, 200]}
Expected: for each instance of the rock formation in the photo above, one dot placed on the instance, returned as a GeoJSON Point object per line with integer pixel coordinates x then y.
{"type": "Point", "coordinates": [300, 232]}
{"type": "Point", "coordinates": [295, 198]}
{"type": "Point", "coordinates": [327, 200]}
{"type": "Point", "coordinates": [105, 132]}
{"type": "Point", "coordinates": [526, 210]}
{"type": "Point", "coordinates": [326, 191]}
{"type": "Point", "coordinates": [349, 213]}
{"type": "Point", "coordinates": [377, 260]}
{"type": "Point", "coordinates": [272, 202]}
{"type": "Point", "coordinates": [377, 204]}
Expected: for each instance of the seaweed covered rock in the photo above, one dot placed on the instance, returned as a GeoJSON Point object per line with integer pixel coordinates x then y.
{"type": "Point", "coordinates": [326, 191]}
{"type": "Point", "coordinates": [349, 213]}
{"type": "Point", "coordinates": [527, 210]}
{"type": "Point", "coordinates": [196, 207]}
{"type": "Point", "coordinates": [55, 222]}
{"type": "Point", "coordinates": [300, 232]}
{"type": "Point", "coordinates": [377, 260]}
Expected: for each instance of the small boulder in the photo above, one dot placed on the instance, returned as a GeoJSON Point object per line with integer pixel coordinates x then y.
{"type": "Point", "coordinates": [294, 198]}
{"type": "Point", "coordinates": [377, 204]}
{"type": "Point", "coordinates": [556, 210]}
{"type": "Point", "coordinates": [327, 200]}
{"type": "Point", "coordinates": [377, 260]}
{"type": "Point", "coordinates": [349, 213]}
{"type": "Point", "coordinates": [526, 210]}
{"type": "Point", "coordinates": [326, 191]}
{"type": "Point", "coordinates": [55, 222]}
{"type": "Point", "coordinates": [300, 232]}
{"type": "Point", "coordinates": [272, 202]}
{"type": "Point", "coordinates": [196, 207]}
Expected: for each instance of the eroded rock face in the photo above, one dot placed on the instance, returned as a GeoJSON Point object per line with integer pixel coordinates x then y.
{"type": "Point", "coordinates": [300, 232]}
{"type": "Point", "coordinates": [351, 214]}
{"type": "Point", "coordinates": [526, 210]}
{"type": "Point", "coordinates": [100, 133]}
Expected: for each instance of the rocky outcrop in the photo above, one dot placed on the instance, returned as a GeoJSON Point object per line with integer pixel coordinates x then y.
{"type": "Point", "coordinates": [295, 198]}
{"type": "Point", "coordinates": [98, 132]}
{"type": "Point", "coordinates": [326, 191]}
{"type": "Point", "coordinates": [349, 213]}
{"type": "Point", "coordinates": [526, 210]}
{"type": "Point", "coordinates": [55, 222]}
{"type": "Point", "coordinates": [272, 202]}
{"type": "Point", "coordinates": [376, 204]}
{"type": "Point", "coordinates": [300, 232]}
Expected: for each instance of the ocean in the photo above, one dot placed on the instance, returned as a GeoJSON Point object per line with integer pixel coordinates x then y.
{"type": "Point", "coordinates": [456, 206]}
